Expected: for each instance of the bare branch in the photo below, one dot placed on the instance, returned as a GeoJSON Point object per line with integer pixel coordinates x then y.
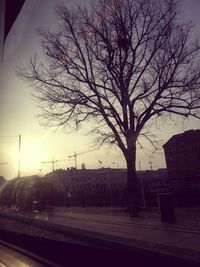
{"type": "Point", "coordinates": [119, 64]}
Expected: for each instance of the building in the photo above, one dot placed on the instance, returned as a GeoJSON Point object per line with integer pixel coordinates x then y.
{"type": "Point", "coordinates": [94, 187]}
{"type": "Point", "coordinates": [105, 186]}
{"type": "Point", "coordinates": [182, 154]}
{"type": "Point", "coordinates": [85, 187]}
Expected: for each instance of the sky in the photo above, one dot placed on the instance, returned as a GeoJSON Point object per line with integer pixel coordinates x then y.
{"type": "Point", "coordinates": [19, 113]}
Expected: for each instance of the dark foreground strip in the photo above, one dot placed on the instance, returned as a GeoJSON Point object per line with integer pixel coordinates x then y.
{"type": "Point", "coordinates": [103, 249]}
{"type": "Point", "coordinates": [9, 253]}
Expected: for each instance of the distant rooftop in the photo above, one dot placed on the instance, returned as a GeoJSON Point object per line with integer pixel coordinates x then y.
{"type": "Point", "coordinates": [182, 138]}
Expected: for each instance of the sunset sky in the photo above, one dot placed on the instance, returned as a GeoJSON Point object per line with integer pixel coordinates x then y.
{"type": "Point", "coordinates": [18, 111]}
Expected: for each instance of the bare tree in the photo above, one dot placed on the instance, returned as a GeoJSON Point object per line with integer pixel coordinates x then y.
{"type": "Point", "coordinates": [122, 64]}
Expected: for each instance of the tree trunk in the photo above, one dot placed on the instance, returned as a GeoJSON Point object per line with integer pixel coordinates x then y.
{"type": "Point", "coordinates": [133, 203]}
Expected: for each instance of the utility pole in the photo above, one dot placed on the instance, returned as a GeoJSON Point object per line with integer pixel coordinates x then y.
{"type": "Point", "coordinates": [19, 156]}
{"type": "Point", "coordinates": [150, 164]}
{"type": "Point", "coordinates": [140, 166]}
{"type": "Point", "coordinates": [142, 186]}
{"type": "Point", "coordinates": [100, 164]}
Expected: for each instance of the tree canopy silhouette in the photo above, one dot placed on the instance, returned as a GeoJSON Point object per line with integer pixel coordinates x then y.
{"type": "Point", "coordinates": [122, 64]}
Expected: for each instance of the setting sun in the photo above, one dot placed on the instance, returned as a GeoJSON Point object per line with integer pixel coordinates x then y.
{"type": "Point", "coordinates": [31, 154]}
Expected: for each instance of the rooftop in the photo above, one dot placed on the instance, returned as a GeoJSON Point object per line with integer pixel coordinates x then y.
{"type": "Point", "coordinates": [182, 138]}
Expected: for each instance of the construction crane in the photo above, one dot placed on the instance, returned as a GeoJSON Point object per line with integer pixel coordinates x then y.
{"type": "Point", "coordinates": [77, 154]}
{"type": "Point", "coordinates": [52, 162]}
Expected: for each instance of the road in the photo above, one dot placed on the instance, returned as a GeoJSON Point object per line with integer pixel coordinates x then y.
{"type": "Point", "coordinates": [133, 232]}
{"type": "Point", "coordinates": [138, 236]}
